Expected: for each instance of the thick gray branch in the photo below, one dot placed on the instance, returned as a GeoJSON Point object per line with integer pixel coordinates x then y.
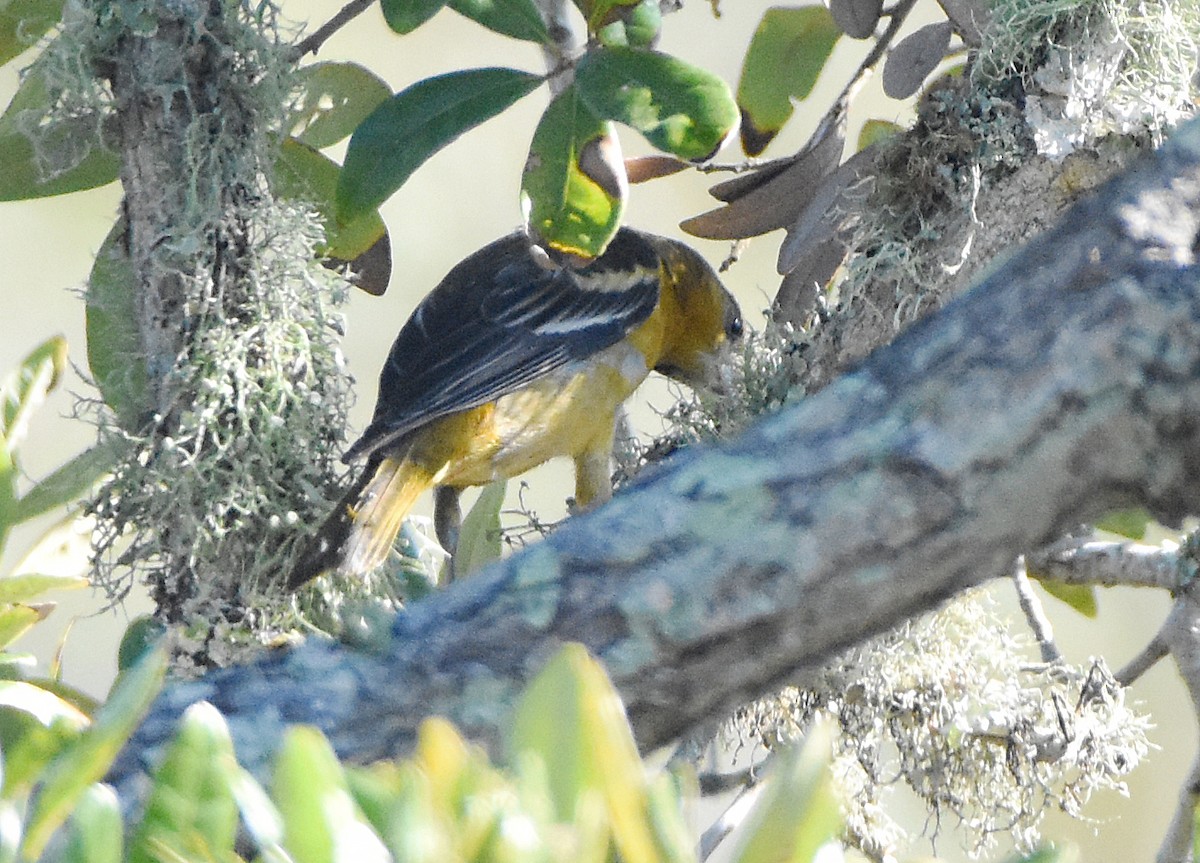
{"type": "Point", "coordinates": [1065, 385]}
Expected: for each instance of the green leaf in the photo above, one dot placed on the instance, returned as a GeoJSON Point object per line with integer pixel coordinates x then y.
{"type": "Point", "coordinates": [516, 18]}
{"type": "Point", "coordinates": [1081, 597]}
{"type": "Point", "coordinates": [114, 349]}
{"type": "Point", "coordinates": [681, 109]}
{"type": "Point", "coordinates": [96, 829]}
{"type": "Point", "coordinates": [89, 757]}
{"type": "Point", "coordinates": [404, 131]}
{"type": "Point", "coordinates": [26, 586]}
{"type": "Point", "coordinates": [571, 720]}
{"type": "Point", "coordinates": [404, 16]}
{"type": "Point", "coordinates": [574, 188]}
{"type": "Point", "coordinates": [874, 131]}
{"type": "Point", "coordinates": [479, 539]}
{"type": "Point", "coordinates": [43, 705]}
{"type": "Point", "coordinates": [635, 26]}
{"type": "Point", "coordinates": [319, 813]}
{"type": "Point", "coordinates": [80, 160]}
{"type": "Point", "coordinates": [23, 22]}
{"type": "Point", "coordinates": [799, 812]}
{"type": "Point", "coordinates": [140, 638]}
{"type": "Point", "coordinates": [786, 54]}
{"type": "Point", "coordinates": [24, 390]}
{"type": "Point", "coordinates": [302, 173]}
{"type": "Point", "coordinates": [599, 13]}
{"type": "Point", "coordinates": [336, 98]}
{"type": "Point", "coordinates": [1129, 523]}
{"type": "Point", "coordinates": [67, 484]}
{"type": "Point", "coordinates": [15, 621]}
{"type": "Point", "coordinates": [190, 813]}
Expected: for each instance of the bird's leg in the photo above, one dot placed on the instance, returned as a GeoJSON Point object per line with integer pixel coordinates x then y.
{"type": "Point", "coordinates": [447, 519]}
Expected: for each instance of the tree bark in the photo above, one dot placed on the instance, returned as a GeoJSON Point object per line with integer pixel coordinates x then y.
{"type": "Point", "coordinates": [1063, 386]}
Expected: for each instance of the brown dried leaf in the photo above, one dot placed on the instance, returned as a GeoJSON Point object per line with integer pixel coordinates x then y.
{"type": "Point", "coordinates": [642, 169]}
{"type": "Point", "coordinates": [828, 207]}
{"type": "Point", "coordinates": [797, 297]}
{"type": "Point", "coordinates": [776, 202]}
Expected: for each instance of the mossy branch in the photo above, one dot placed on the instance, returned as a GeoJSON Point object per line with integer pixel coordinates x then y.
{"type": "Point", "coordinates": [1063, 386]}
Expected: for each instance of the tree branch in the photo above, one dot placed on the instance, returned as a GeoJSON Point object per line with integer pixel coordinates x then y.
{"type": "Point", "coordinates": [1065, 385]}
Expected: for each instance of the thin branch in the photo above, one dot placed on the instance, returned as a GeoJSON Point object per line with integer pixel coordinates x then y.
{"type": "Point", "coordinates": [1181, 634]}
{"type": "Point", "coordinates": [1177, 845]}
{"type": "Point", "coordinates": [311, 44]}
{"type": "Point", "coordinates": [1034, 614]}
{"type": "Point", "coordinates": [1109, 564]}
{"type": "Point", "coordinates": [1155, 650]}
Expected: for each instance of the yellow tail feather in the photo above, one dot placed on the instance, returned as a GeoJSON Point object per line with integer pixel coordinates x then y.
{"type": "Point", "coordinates": [360, 531]}
{"type": "Point", "coordinates": [379, 512]}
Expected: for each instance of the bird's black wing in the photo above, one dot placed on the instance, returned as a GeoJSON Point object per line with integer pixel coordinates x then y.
{"type": "Point", "coordinates": [500, 320]}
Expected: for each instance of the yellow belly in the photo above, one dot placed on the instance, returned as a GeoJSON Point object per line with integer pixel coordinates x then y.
{"type": "Point", "coordinates": [568, 413]}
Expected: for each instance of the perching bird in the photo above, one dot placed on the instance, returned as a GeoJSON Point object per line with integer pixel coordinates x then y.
{"type": "Point", "coordinates": [511, 361]}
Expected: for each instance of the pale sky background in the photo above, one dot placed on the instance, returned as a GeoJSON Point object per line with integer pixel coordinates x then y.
{"type": "Point", "coordinates": [463, 198]}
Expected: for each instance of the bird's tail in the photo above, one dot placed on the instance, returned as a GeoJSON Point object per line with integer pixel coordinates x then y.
{"type": "Point", "coordinates": [360, 531]}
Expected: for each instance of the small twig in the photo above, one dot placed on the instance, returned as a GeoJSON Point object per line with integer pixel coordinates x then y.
{"type": "Point", "coordinates": [897, 15]}
{"type": "Point", "coordinates": [1155, 650]}
{"type": "Point", "coordinates": [1133, 564]}
{"type": "Point", "coordinates": [734, 815]}
{"type": "Point", "coordinates": [1034, 614]}
{"type": "Point", "coordinates": [311, 44]}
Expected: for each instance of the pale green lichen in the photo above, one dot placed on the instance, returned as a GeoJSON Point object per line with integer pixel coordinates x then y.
{"type": "Point", "coordinates": [991, 744]}
{"type": "Point", "coordinates": [1090, 68]}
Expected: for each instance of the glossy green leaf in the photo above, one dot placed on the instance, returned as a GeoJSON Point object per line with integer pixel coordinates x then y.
{"type": "Point", "coordinates": [679, 108]}
{"type": "Point", "coordinates": [787, 53]}
{"type": "Point", "coordinates": [190, 813]}
{"type": "Point", "coordinates": [23, 22]}
{"type": "Point", "coordinates": [799, 812]}
{"type": "Point", "coordinates": [404, 131]}
{"type": "Point", "coordinates": [573, 190]}
{"type": "Point", "coordinates": [571, 719]}
{"type": "Point", "coordinates": [404, 16]}
{"type": "Point", "coordinates": [65, 485]}
{"type": "Point", "coordinates": [113, 345]}
{"type": "Point", "coordinates": [319, 813]}
{"type": "Point", "coordinates": [88, 758]}
{"type": "Point", "coordinates": [302, 173]}
{"type": "Point", "coordinates": [80, 161]}
{"type": "Point", "coordinates": [96, 829]}
{"type": "Point", "coordinates": [26, 586]}
{"type": "Point", "coordinates": [335, 98]}
{"type": "Point", "coordinates": [23, 391]}
{"type": "Point", "coordinates": [479, 540]}
{"type": "Point", "coordinates": [519, 19]}
{"type": "Point", "coordinates": [1081, 597]}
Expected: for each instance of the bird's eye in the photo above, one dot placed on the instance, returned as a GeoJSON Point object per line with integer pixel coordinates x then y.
{"type": "Point", "coordinates": [734, 328]}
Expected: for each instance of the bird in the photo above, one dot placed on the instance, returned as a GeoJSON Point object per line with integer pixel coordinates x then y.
{"type": "Point", "coordinates": [512, 360]}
